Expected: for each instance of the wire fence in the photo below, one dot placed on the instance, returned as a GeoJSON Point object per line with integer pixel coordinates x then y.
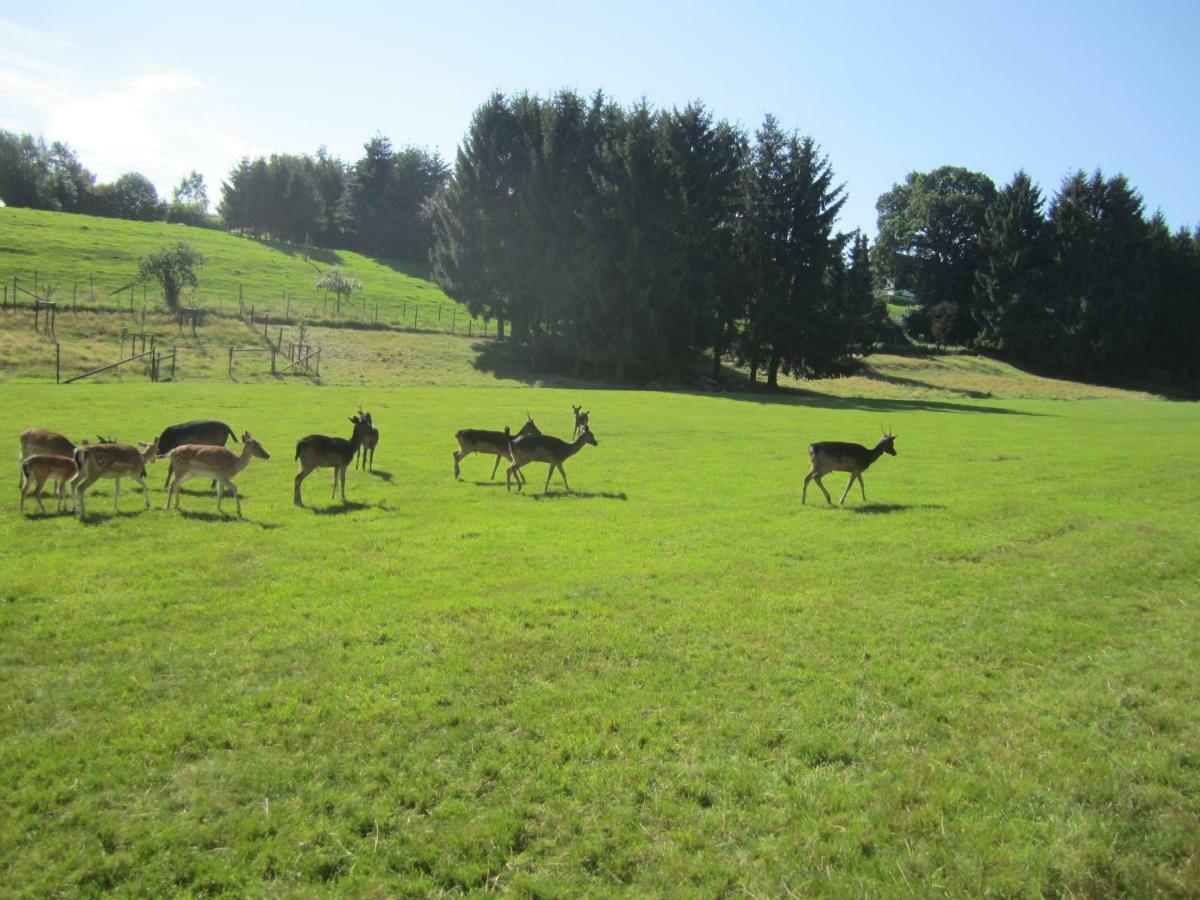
{"type": "Point", "coordinates": [362, 307]}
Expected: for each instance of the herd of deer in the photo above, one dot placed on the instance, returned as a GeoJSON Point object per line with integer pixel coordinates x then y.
{"type": "Point", "coordinates": [197, 449]}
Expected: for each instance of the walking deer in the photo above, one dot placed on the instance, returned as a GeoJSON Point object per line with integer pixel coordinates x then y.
{"type": "Point", "coordinates": [111, 460]}
{"type": "Point", "coordinates": [38, 468]}
{"type": "Point", "coordinates": [477, 440]}
{"type": "Point", "coordinates": [369, 442]}
{"type": "Point", "coordinates": [208, 432]}
{"type": "Point", "coordinates": [837, 456]}
{"type": "Point", "coordinates": [317, 451]}
{"type": "Point", "coordinates": [193, 460]}
{"type": "Point", "coordinates": [581, 420]}
{"type": "Point", "coordinates": [547, 449]}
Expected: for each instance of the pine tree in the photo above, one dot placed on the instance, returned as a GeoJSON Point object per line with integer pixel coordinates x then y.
{"type": "Point", "coordinates": [1011, 302]}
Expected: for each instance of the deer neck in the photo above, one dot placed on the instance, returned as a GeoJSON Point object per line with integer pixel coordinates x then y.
{"type": "Point", "coordinates": [575, 447]}
{"type": "Point", "coordinates": [243, 460]}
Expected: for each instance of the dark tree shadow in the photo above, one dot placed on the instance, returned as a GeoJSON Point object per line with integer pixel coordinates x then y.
{"type": "Point", "coordinates": [505, 360]}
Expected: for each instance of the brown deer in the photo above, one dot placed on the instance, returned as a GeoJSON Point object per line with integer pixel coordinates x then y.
{"type": "Point", "coordinates": [209, 432]}
{"type": "Point", "coordinates": [41, 442]}
{"type": "Point", "coordinates": [317, 451]}
{"type": "Point", "coordinates": [581, 420]}
{"type": "Point", "coordinates": [205, 460]}
{"type": "Point", "coordinates": [36, 469]}
{"type": "Point", "coordinates": [837, 456]}
{"type": "Point", "coordinates": [369, 442]}
{"type": "Point", "coordinates": [477, 440]}
{"type": "Point", "coordinates": [111, 460]}
{"type": "Point", "coordinates": [547, 449]}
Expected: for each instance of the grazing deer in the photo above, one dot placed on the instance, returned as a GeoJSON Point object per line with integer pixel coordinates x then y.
{"type": "Point", "coordinates": [370, 441]}
{"type": "Point", "coordinates": [837, 456]}
{"type": "Point", "coordinates": [476, 440]}
{"type": "Point", "coordinates": [547, 449]}
{"type": "Point", "coordinates": [111, 460]}
{"type": "Point", "coordinates": [208, 432]}
{"type": "Point", "coordinates": [581, 420]}
{"type": "Point", "coordinates": [192, 460]}
{"type": "Point", "coordinates": [318, 451]}
{"type": "Point", "coordinates": [36, 469]}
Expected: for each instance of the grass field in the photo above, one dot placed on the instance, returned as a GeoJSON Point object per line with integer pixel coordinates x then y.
{"type": "Point", "coordinates": [87, 258]}
{"type": "Point", "coordinates": [676, 679]}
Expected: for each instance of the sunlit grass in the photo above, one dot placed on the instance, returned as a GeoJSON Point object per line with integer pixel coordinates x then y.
{"type": "Point", "coordinates": [676, 679]}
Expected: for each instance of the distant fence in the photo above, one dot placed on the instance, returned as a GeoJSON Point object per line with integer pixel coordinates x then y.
{"type": "Point", "coordinates": [78, 293]}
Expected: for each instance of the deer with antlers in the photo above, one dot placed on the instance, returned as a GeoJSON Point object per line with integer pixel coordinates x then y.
{"type": "Point", "coordinates": [838, 456]}
{"type": "Point", "coordinates": [547, 449]}
{"type": "Point", "coordinates": [111, 460]}
{"type": "Point", "coordinates": [219, 463]}
{"type": "Point", "coordinates": [477, 440]}
{"type": "Point", "coordinates": [581, 420]}
{"type": "Point", "coordinates": [318, 451]}
{"type": "Point", "coordinates": [369, 442]}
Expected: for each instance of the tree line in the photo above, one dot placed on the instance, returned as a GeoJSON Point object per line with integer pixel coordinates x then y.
{"type": "Point", "coordinates": [374, 205]}
{"type": "Point", "coordinates": [1088, 286]}
{"type": "Point", "coordinates": [626, 242]}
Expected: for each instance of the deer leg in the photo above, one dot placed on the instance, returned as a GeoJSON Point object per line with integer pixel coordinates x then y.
{"type": "Point", "coordinates": [862, 487]}
{"type": "Point", "coordinates": [297, 500]}
{"type": "Point", "coordinates": [828, 499]}
{"type": "Point", "coordinates": [563, 473]}
{"type": "Point", "coordinates": [145, 490]}
{"type": "Point", "coordinates": [81, 484]}
{"type": "Point", "coordinates": [343, 471]}
{"type": "Point", "coordinates": [849, 484]}
{"type": "Point", "coordinates": [458, 457]}
{"type": "Point", "coordinates": [496, 466]}
{"type": "Point", "coordinates": [170, 472]}
{"type": "Point", "coordinates": [116, 495]}
{"type": "Point", "coordinates": [804, 492]}
{"type": "Point", "coordinates": [220, 491]}
{"type": "Point", "coordinates": [236, 496]}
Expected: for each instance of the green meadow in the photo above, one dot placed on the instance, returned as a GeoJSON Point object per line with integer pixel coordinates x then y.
{"type": "Point", "coordinates": [675, 679]}
{"type": "Point", "coordinates": [90, 262]}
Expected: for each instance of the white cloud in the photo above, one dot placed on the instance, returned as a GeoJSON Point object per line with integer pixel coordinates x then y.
{"type": "Point", "coordinates": [161, 122]}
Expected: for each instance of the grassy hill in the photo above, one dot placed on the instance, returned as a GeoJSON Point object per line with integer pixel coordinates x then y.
{"type": "Point", "coordinates": [87, 259]}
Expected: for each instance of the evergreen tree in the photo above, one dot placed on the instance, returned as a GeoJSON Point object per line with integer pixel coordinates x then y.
{"type": "Point", "coordinates": [1011, 291]}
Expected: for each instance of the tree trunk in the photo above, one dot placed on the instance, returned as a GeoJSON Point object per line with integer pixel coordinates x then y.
{"type": "Point", "coordinates": [499, 328]}
{"type": "Point", "coordinates": [773, 373]}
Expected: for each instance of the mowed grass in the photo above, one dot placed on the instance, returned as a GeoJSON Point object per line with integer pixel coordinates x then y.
{"type": "Point", "coordinates": [676, 679]}
{"type": "Point", "coordinates": [79, 255]}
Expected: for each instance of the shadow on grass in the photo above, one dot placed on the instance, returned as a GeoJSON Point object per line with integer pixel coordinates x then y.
{"type": "Point", "coordinates": [579, 495]}
{"type": "Point", "coordinates": [875, 509]}
{"type": "Point", "coordinates": [225, 517]}
{"type": "Point", "coordinates": [381, 474]}
{"type": "Point", "coordinates": [342, 509]}
{"type": "Point", "coordinates": [99, 518]}
{"type": "Point", "coordinates": [505, 360]}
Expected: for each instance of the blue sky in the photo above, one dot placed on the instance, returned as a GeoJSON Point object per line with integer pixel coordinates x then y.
{"type": "Point", "coordinates": [885, 88]}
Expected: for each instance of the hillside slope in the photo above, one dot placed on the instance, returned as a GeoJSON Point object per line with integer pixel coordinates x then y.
{"type": "Point", "coordinates": [89, 260]}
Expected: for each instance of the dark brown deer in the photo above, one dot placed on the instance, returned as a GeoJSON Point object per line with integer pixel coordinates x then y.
{"type": "Point", "coordinates": [476, 440]}
{"type": "Point", "coordinates": [547, 449]}
{"type": "Point", "coordinates": [581, 420]}
{"type": "Point", "coordinates": [837, 456]}
{"type": "Point", "coordinates": [192, 460]}
{"type": "Point", "coordinates": [317, 451]}
{"type": "Point", "coordinates": [370, 440]}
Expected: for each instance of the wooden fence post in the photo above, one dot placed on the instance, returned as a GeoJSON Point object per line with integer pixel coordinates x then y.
{"type": "Point", "coordinates": [57, 363]}
{"type": "Point", "coordinates": [231, 361]}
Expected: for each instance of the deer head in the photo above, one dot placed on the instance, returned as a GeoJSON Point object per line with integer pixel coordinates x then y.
{"type": "Point", "coordinates": [253, 447]}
